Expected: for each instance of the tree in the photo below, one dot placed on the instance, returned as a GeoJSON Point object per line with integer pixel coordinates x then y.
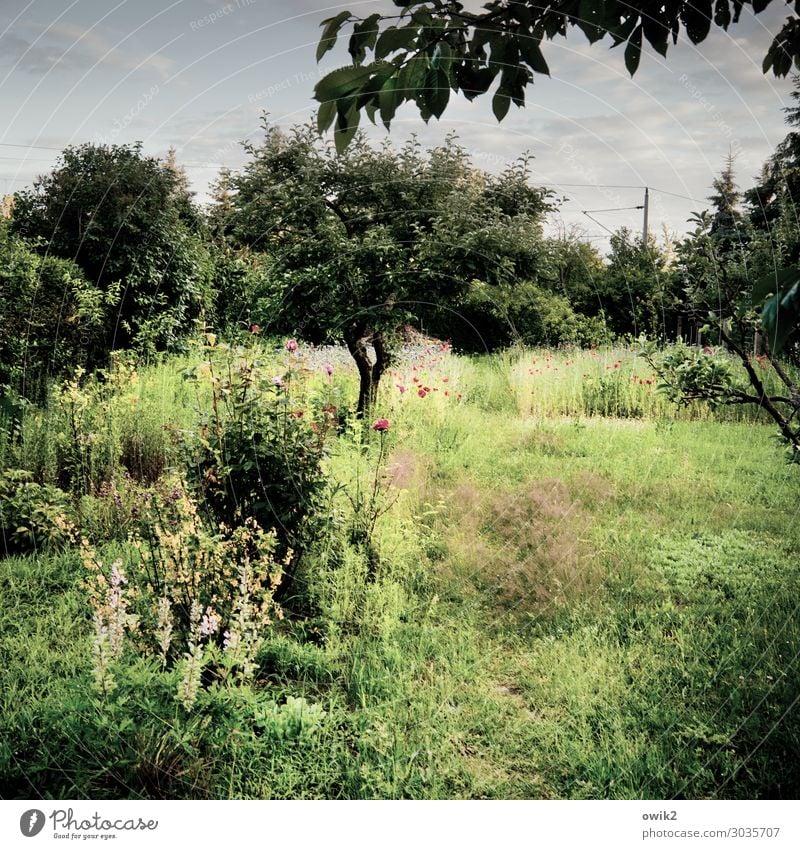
{"type": "Point", "coordinates": [432, 47]}
{"type": "Point", "coordinates": [773, 212]}
{"type": "Point", "coordinates": [635, 290]}
{"type": "Point", "coordinates": [51, 318]}
{"type": "Point", "coordinates": [126, 219]}
{"type": "Point", "coordinates": [778, 185]}
{"type": "Point", "coordinates": [360, 243]}
{"type": "Point", "coordinates": [722, 267]}
{"type": "Point", "coordinates": [725, 225]}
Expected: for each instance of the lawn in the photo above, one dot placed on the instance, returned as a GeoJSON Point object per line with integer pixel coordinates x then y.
{"type": "Point", "coordinates": [573, 590]}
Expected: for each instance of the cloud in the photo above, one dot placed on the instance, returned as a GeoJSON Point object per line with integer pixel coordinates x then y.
{"type": "Point", "coordinates": [67, 47]}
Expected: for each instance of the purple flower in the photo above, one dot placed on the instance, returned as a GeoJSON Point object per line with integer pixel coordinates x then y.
{"type": "Point", "coordinates": [328, 369]}
{"type": "Point", "coordinates": [291, 345]}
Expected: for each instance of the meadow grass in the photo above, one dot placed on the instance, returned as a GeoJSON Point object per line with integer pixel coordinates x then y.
{"type": "Point", "coordinates": [577, 593]}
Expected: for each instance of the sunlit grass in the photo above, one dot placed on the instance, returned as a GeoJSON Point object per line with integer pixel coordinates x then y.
{"type": "Point", "coordinates": [580, 593]}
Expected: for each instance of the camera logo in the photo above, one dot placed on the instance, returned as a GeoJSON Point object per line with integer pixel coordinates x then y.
{"type": "Point", "coordinates": [31, 822]}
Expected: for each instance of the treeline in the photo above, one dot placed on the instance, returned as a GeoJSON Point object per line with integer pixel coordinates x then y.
{"type": "Point", "coordinates": [110, 250]}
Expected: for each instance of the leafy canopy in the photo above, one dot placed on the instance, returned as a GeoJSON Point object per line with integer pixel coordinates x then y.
{"type": "Point", "coordinates": [432, 48]}
{"type": "Point", "coordinates": [127, 221]}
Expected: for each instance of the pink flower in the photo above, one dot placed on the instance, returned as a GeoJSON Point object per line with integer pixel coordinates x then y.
{"type": "Point", "coordinates": [210, 623]}
{"type": "Point", "coordinates": [328, 368]}
{"type": "Point", "coordinates": [277, 381]}
{"type": "Point", "coordinates": [255, 328]}
{"type": "Point", "coordinates": [421, 392]}
{"type": "Point", "coordinates": [291, 345]}
{"type": "Point", "coordinates": [400, 388]}
{"type": "Point", "coordinates": [381, 425]}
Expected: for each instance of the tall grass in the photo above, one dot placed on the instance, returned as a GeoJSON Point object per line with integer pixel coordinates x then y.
{"type": "Point", "coordinates": [576, 591]}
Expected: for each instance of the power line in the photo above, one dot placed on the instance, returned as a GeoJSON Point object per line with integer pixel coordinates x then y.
{"type": "Point", "coordinates": [27, 158]}
{"type": "Point", "coordinates": [614, 209]}
{"type": "Point", "coordinates": [32, 146]}
{"type": "Point", "coordinates": [588, 185]}
{"type": "Point", "coordinates": [599, 223]}
{"type": "Point", "coordinates": [675, 194]}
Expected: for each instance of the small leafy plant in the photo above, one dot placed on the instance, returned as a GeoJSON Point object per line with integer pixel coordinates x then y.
{"type": "Point", "coordinates": [193, 599]}
{"type": "Point", "coordinates": [33, 516]}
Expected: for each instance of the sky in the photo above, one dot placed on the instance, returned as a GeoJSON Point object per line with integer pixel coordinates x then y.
{"type": "Point", "coordinates": [198, 75]}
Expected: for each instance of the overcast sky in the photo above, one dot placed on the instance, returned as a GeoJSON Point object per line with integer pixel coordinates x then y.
{"type": "Point", "coordinates": [197, 75]}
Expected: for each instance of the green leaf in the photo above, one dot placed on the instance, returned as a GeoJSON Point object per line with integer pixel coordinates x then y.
{"type": "Point", "coordinates": [474, 80]}
{"type": "Point", "coordinates": [501, 103]}
{"type": "Point", "coordinates": [633, 52]}
{"type": "Point", "coordinates": [696, 17]}
{"type": "Point", "coordinates": [346, 126]}
{"type": "Point", "coordinates": [437, 86]}
{"type": "Point", "coordinates": [393, 39]}
{"type": "Point", "coordinates": [722, 13]}
{"type": "Point", "coordinates": [591, 14]}
{"type": "Point", "coordinates": [442, 56]}
{"type": "Point", "coordinates": [389, 98]}
{"type": "Point", "coordinates": [330, 33]}
{"type": "Point", "coordinates": [774, 282]}
{"type": "Point", "coordinates": [780, 316]}
{"type": "Point", "coordinates": [363, 37]}
{"type": "Point", "coordinates": [532, 55]}
{"type": "Point", "coordinates": [342, 82]}
{"type": "Point", "coordinates": [325, 115]}
{"type": "Point", "coordinates": [623, 31]}
{"type": "Point", "coordinates": [412, 76]}
{"type": "Point", "coordinates": [656, 32]}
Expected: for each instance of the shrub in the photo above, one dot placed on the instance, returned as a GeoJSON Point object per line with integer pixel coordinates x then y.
{"type": "Point", "coordinates": [193, 598]}
{"type": "Point", "coordinates": [689, 374]}
{"type": "Point", "coordinates": [128, 222]}
{"type": "Point", "coordinates": [51, 317]}
{"type": "Point", "coordinates": [259, 448]}
{"type": "Point", "coordinates": [524, 313]}
{"type": "Point", "coordinates": [33, 516]}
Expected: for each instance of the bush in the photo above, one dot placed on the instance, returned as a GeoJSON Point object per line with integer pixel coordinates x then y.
{"type": "Point", "coordinates": [259, 447]}
{"type": "Point", "coordinates": [523, 313]}
{"type": "Point", "coordinates": [192, 597]}
{"type": "Point", "coordinates": [33, 516]}
{"type": "Point", "coordinates": [128, 222]}
{"type": "Point", "coordinates": [51, 319]}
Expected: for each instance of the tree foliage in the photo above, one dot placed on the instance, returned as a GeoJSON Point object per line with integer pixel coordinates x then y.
{"type": "Point", "coordinates": [127, 221]}
{"type": "Point", "coordinates": [727, 265]}
{"type": "Point", "coordinates": [362, 242]}
{"type": "Point", "coordinates": [51, 320]}
{"type": "Point", "coordinates": [432, 48]}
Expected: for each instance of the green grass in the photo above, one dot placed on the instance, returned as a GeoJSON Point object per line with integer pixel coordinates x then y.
{"type": "Point", "coordinates": [566, 604]}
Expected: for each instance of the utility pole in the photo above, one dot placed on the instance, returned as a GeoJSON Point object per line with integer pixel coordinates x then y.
{"type": "Point", "coordinates": [646, 210]}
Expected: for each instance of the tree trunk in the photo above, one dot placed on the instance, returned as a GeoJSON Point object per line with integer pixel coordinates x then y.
{"type": "Point", "coordinates": [369, 373]}
{"type": "Point", "coordinates": [379, 366]}
{"type": "Point", "coordinates": [355, 338]}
